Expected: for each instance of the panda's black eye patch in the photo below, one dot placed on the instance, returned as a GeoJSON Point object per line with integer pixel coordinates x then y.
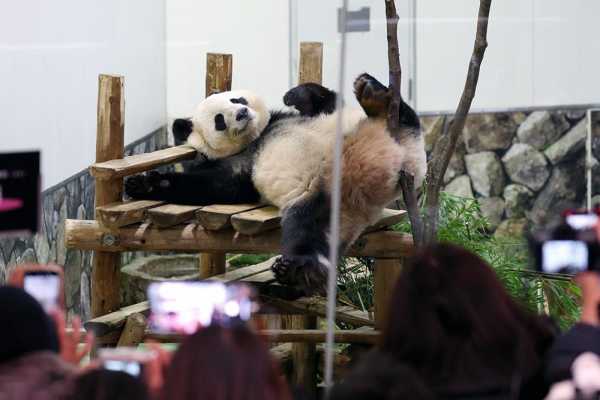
{"type": "Point", "coordinates": [241, 100]}
{"type": "Point", "coordinates": [220, 124]}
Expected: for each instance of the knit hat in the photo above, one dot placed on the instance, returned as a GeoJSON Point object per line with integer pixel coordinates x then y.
{"type": "Point", "coordinates": [26, 327]}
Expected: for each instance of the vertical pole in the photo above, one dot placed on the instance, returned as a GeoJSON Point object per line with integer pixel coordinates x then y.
{"type": "Point", "coordinates": [219, 73]}
{"type": "Point", "coordinates": [109, 146]}
{"type": "Point", "coordinates": [304, 355]}
{"type": "Point", "coordinates": [386, 274]}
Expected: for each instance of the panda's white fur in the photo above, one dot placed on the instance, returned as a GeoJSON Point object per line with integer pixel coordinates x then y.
{"type": "Point", "coordinates": [218, 144]}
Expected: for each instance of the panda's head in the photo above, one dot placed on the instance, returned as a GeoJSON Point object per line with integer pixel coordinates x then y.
{"type": "Point", "coordinates": [224, 123]}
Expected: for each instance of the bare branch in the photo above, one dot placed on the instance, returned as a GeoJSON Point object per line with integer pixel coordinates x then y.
{"type": "Point", "coordinates": [445, 146]}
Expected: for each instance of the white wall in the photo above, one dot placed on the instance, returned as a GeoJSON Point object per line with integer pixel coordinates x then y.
{"type": "Point", "coordinates": [255, 32]}
{"type": "Point", "coordinates": [51, 53]}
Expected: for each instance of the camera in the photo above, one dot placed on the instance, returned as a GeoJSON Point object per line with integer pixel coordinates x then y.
{"type": "Point", "coordinates": [44, 286]}
{"type": "Point", "coordinates": [125, 359]}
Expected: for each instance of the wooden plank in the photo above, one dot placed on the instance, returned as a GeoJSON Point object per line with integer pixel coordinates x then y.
{"type": "Point", "coordinates": [218, 216]}
{"type": "Point", "coordinates": [134, 331]}
{"type": "Point", "coordinates": [105, 295]}
{"type": "Point", "coordinates": [115, 215]}
{"type": "Point", "coordinates": [219, 69]}
{"type": "Point", "coordinates": [171, 214]}
{"type": "Point", "coordinates": [388, 218]}
{"type": "Point", "coordinates": [212, 264]}
{"type": "Point", "coordinates": [245, 272]}
{"type": "Point", "coordinates": [111, 322]}
{"type": "Point", "coordinates": [311, 62]}
{"type": "Point", "coordinates": [386, 274]}
{"type": "Point", "coordinates": [256, 221]}
{"type": "Point", "coordinates": [89, 235]}
{"type": "Point", "coordinates": [119, 168]}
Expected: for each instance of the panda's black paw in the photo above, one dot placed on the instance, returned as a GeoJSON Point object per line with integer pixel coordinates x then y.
{"type": "Point", "coordinates": [142, 186]}
{"type": "Point", "coordinates": [372, 95]}
{"type": "Point", "coordinates": [310, 99]}
{"type": "Point", "coordinates": [304, 273]}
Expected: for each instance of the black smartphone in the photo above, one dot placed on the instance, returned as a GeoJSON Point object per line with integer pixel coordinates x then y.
{"type": "Point", "coordinates": [566, 256]}
{"type": "Point", "coordinates": [130, 360]}
{"type": "Point", "coordinates": [44, 286]}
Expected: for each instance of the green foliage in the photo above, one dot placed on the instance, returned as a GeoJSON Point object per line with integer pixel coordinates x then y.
{"type": "Point", "coordinates": [462, 223]}
{"type": "Point", "coordinates": [243, 260]}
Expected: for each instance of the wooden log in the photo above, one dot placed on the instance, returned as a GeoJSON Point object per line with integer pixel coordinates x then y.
{"type": "Point", "coordinates": [105, 296]}
{"type": "Point", "coordinates": [386, 274]}
{"type": "Point", "coordinates": [119, 214]}
{"type": "Point", "coordinates": [218, 216]}
{"type": "Point", "coordinates": [304, 355]}
{"type": "Point", "coordinates": [134, 331]}
{"type": "Point", "coordinates": [212, 264]}
{"type": "Point", "coordinates": [89, 235]}
{"type": "Point", "coordinates": [219, 68]}
{"type": "Point", "coordinates": [171, 214]}
{"type": "Point", "coordinates": [311, 62]}
{"type": "Point", "coordinates": [388, 218]}
{"type": "Point", "coordinates": [114, 321]}
{"type": "Point", "coordinates": [119, 168]}
{"type": "Point", "coordinates": [244, 272]}
{"type": "Point", "coordinates": [256, 221]}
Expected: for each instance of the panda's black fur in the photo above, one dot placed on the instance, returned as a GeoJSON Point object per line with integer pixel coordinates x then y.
{"type": "Point", "coordinates": [305, 218]}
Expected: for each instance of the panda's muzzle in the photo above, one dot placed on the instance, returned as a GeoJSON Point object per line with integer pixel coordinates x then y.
{"type": "Point", "coordinates": [242, 114]}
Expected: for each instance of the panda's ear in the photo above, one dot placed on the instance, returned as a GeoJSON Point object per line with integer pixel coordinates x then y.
{"type": "Point", "coordinates": [220, 124]}
{"type": "Point", "coordinates": [182, 129]}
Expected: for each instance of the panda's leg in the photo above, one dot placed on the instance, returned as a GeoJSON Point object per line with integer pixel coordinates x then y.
{"type": "Point", "coordinates": [207, 186]}
{"type": "Point", "coordinates": [304, 245]}
{"type": "Point", "coordinates": [311, 99]}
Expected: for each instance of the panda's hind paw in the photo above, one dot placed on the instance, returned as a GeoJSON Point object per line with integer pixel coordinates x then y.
{"type": "Point", "coordinates": [142, 186]}
{"type": "Point", "coordinates": [304, 273]}
{"type": "Point", "coordinates": [372, 95]}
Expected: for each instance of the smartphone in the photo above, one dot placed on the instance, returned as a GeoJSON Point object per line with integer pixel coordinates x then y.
{"type": "Point", "coordinates": [185, 307]}
{"type": "Point", "coordinates": [44, 286]}
{"type": "Point", "coordinates": [582, 222]}
{"type": "Point", "coordinates": [566, 256]}
{"type": "Point", "coordinates": [130, 360]}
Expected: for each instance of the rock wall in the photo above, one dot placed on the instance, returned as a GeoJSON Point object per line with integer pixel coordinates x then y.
{"type": "Point", "coordinates": [73, 198]}
{"type": "Point", "coordinates": [524, 168]}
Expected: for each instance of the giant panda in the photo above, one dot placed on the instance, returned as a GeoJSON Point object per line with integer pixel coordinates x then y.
{"type": "Point", "coordinates": [252, 154]}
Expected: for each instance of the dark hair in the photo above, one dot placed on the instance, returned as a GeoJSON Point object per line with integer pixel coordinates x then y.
{"type": "Point", "coordinates": [378, 376]}
{"type": "Point", "coordinates": [26, 328]}
{"type": "Point", "coordinates": [221, 363]}
{"type": "Point", "coordinates": [102, 384]}
{"type": "Point", "coordinates": [454, 323]}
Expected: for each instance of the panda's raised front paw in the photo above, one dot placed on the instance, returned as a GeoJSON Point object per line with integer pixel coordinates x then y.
{"type": "Point", "coordinates": [142, 186]}
{"type": "Point", "coordinates": [372, 95]}
{"type": "Point", "coordinates": [303, 273]}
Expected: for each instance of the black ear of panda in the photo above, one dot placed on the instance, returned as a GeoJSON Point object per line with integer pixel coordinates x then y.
{"type": "Point", "coordinates": [241, 100]}
{"type": "Point", "coordinates": [220, 124]}
{"type": "Point", "coordinates": [408, 116]}
{"type": "Point", "coordinates": [181, 130]}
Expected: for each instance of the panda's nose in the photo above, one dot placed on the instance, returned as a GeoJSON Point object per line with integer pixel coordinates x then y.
{"type": "Point", "coordinates": [242, 114]}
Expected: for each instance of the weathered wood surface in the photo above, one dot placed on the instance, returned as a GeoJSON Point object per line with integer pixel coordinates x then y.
{"type": "Point", "coordinates": [388, 218]}
{"type": "Point", "coordinates": [134, 331]}
{"type": "Point", "coordinates": [171, 214]}
{"type": "Point", "coordinates": [89, 235]}
{"type": "Point", "coordinates": [386, 274]}
{"type": "Point", "coordinates": [218, 216]}
{"type": "Point", "coordinates": [119, 168]}
{"type": "Point", "coordinates": [256, 221]}
{"type": "Point", "coordinates": [118, 214]}
{"type": "Point", "coordinates": [114, 320]}
{"type": "Point", "coordinates": [311, 62]}
{"type": "Point", "coordinates": [212, 264]}
{"type": "Point", "coordinates": [219, 69]}
{"type": "Point", "coordinates": [245, 272]}
{"type": "Point", "coordinates": [105, 296]}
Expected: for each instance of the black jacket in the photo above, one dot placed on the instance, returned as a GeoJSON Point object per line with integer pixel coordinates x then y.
{"type": "Point", "coordinates": [580, 339]}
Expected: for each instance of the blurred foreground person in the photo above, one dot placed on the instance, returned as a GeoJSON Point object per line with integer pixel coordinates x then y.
{"type": "Point", "coordinates": [30, 365]}
{"type": "Point", "coordinates": [224, 363]}
{"type": "Point", "coordinates": [455, 325]}
{"type": "Point", "coordinates": [102, 384]}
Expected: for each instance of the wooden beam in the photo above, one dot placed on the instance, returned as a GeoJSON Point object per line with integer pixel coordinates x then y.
{"type": "Point", "coordinates": [89, 235]}
{"type": "Point", "coordinates": [105, 296]}
{"type": "Point", "coordinates": [245, 272]}
{"type": "Point", "coordinates": [111, 322]}
{"type": "Point", "coordinates": [219, 69]}
{"type": "Point", "coordinates": [386, 274]}
{"type": "Point", "coordinates": [134, 331]}
{"type": "Point", "coordinates": [218, 216]}
{"type": "Point", "coordinates": [119, 168]}
{"type": "Point", "coordinates": [116, 215]}
{"type": "Point", "coordinates": [388, 218]}
{"type": "Point", "coordinates": [256, 221]}
{"type": "Point", "coordinates": [311, 62]}
{"type": "Point", "coordinates": [171, 214]}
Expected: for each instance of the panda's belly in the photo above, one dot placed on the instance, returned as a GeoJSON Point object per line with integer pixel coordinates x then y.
{"type": "Point", "coordinates": [290, 164]}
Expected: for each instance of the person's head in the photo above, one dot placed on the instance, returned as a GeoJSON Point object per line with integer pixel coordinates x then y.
{"type": "Point", "coordinates": [102, 384]}
{"type": "Point", "coordinates": [220, 363]}
{"type": "Point", "coordinates": [451, 315]}
{"type": "Point", "coordinates": [26, 328]}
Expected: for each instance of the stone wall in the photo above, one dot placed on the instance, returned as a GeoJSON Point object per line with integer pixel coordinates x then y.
{"type": "Point", "coordinates": [73, 198]}
{"type": "Point", "coordinates": [524, 168]}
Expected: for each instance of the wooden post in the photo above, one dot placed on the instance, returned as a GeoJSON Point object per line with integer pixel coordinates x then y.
{"type": "Point", "coordinates": [386, 274]}
{"type": "Point", "coordinates": [219, 72]}
{"type": "Point", "coordinates": [311, 63]}
{"type": "Point", "coordinates": [109, 146]}
{"type": "Point", "coordinates": [134, 331]}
